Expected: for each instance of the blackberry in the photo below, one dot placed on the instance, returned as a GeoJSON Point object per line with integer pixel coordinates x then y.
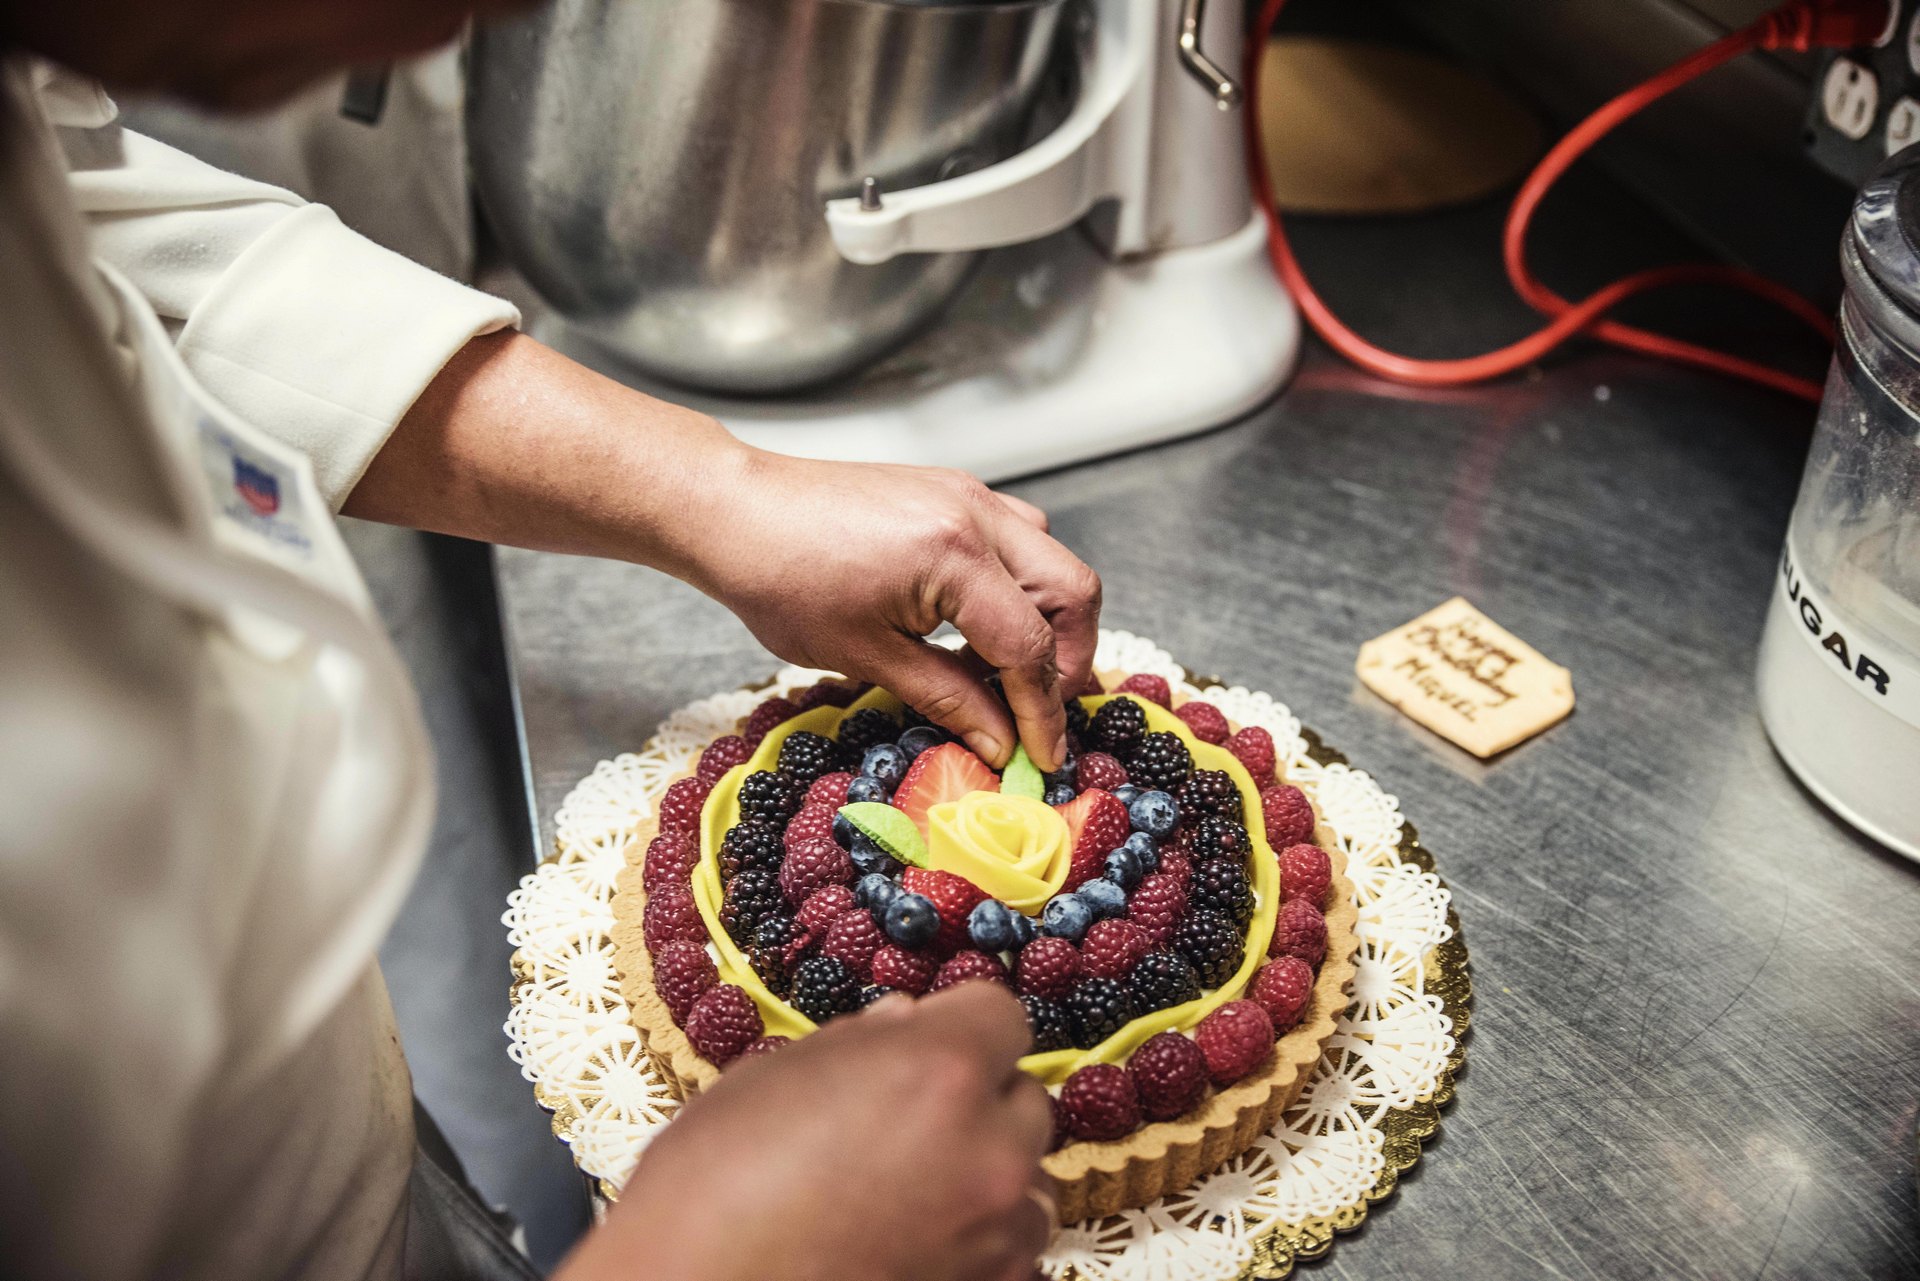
{"type": "Point", "coordinates": [751, 898]}
{"type": "Point", "coordinates": [873, 992]}
{"type": "Point", "coordinates": [807, 756]}
{"type": "Point", "coordinates": [868, 727]}
{"type": "Point", "coordinates": [1220, 885]}
{"type": "Point", "coordinates": [774, 798]}
{"type": "Point", "coordinates": [1077, 720]}
{"type": "Point", "coordinates": [1160, 763]}
{"type": "Point", "coordinates": [1162, 980]}
{"type": "Point", "coordinates": [824, 987]}
{"type": "Point", "coordinates": [1098, 1008]}
{"type": "Point", "coordinates": [1117, 728]}
{"type": "Point", "coordinates": [768, 955]}
{"type": "Point", "coordinates": [1214, 837]}
{"type": "Point", "coordinates": [752, 843]}
{"type": "Point", "coordinates": [1211, 792]}
{"type": "Point", "coordinates": [1212, 943]}
{"type": "Point", "coordinates": [1052, 1029]}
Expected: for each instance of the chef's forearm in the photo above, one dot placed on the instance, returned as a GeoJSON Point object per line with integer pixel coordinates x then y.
{"type": "Point", "coordinates": [514, 443]}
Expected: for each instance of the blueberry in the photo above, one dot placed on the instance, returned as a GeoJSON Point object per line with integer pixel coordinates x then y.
{"type": "Point", "coordinates": [990, 926]}
{"type": "Point", "coordinates": [911, 921]}
{"type": "Point", "coordinates": [1144, 851]}
{"type": "Point", "coordinates": [1103, 898]}
{"type": "Point", "coordinates": [885, 762]}
{"type": "Point", "coordinates": [1066, 776]}
{"type": "Point", "coordinates": [1024, 930]}
{"type": "Point", "coordinates": [874, 891]}
{"type": "Point", "coordinates": [1060, 794]}
{"type": "Point", "coordinates": [867, 789]}
{"type": "Point", "coordinates": [919, 739]}
{"type": "Point", "coordinates": [1066, 916]}
{"type": "Point", "coordinates": [843, 833]}
{"type": "Point", "coordinates": [1154, 813]}
{"type": "Point", "coordinates": [1123, 867]}
{"type": "Point", "coordinates": [870, 858]}
{"type": "Point", "coordinates": [1125, 793]}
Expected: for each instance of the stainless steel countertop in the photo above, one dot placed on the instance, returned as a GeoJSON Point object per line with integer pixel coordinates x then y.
{"type": "Point", "coordinates": [1696, 1040]}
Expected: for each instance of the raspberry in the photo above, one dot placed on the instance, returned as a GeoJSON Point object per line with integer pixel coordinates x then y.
{"type": "Point", "coordinates": [1176, 863]}
{"type": "Point", "coordinates": [723, 1023]}
{"type": "Point", "coordinates": [1048, 967]}
{"type": "Point", "coordinates": [1117, 728]}
{"type": "Point", "coordinates": [969, 965]}
{"type": "Point", "coordinates": [722, 754]}
{"type": "Point", "coordinates": [823, 907]}
{"type": "Point", "coordinates": [1212, 943]}
{"type": "Point", "coordinates": [752, 843]}
{"type": "Point", "coordinates": [1157, 905]}
{"type": "Point", "coordinates": [825, 694]}
{"type": "Point", "coordinates": [806, 756]}
{"type": "Point", "coordinates": [1098, 1008]}
{"type": "Point", "coordinates": [811, 865]}
{"type": "Point", "coordinates": [829, 790]}
{"type": "Point", "coordinates": [680, 807]}
{"type": "Point", "coordinates": [824, 988]}
{"type": "Point", "coordinates": [682, 974]}
{"type": "Point", "coordinates": [670, 916]}
{"type": "Point", "coordinates": [1152, 688]}
{"type": "Point", "coordinates": [1236, 1039]}
{"type": "Point", "coordinates": [1099, 770]}
{"type": "Point", "coordinates": [1219, 838]}
{"type": "Point", "coordinates": [770, 797]}
{"type": "Point", "coordinates": [953, 897]}
{"type": "Point", "coordinates": [1161, 981]}
{"type": "Point", "coordinates": [1100, 1103]}
{"type": "Point", "coordinates": [1207, 722]}
{"type": "Point", "coordinates": [812, 823]}
{"type": "Point", "coordinates": [1220, 885]}
{"type": "Point", "coordinates": [1288, 814]}
{"type": "Point", "coordinates": [868, 727]}
{"type": "Point", "coordinates": [1210, 793]}
{"type": "Point", "coordinates": [1161, 762]}
{"type": "Point", "coordinates": [765, 1045]}
{"type": "Point", "coordinates": [1306, 873]}
{"type": "Point", "coordinates": [1052, 1030]}
{"type": "Point", "coordinates": [895, 967]}
{"type": "Point", "coordinates": [671, 858]}
{"type": "Point", "coordinates": [750, 898]}
{"type": "Point", "coordinates": [1253, 748]}
{"type": "Point", "coordinates": [775, 711]}
{"type": "Point", "coordinates": [776, 947]}
{"type": "Point", "coordinates": [1169, 1075]}
{"type": "Point", "coordinates": [1113, 948]}
{"type": "Point", "coordinates": [1282, 988]}
{"type": "Point", "coordinates": [1300, 930]}
{"type": "Point", "coordinates": [852, 940]}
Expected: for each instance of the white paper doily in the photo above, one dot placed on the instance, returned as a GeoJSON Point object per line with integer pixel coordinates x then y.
{"type": "Point", "coordinates": [1356, 1125]}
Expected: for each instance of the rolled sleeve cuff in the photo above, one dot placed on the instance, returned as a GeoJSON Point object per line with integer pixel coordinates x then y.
{"type": "Point", "coordinates": [323, 339]}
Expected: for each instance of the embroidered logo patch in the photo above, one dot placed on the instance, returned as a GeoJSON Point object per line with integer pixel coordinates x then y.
{"type": "Point", "coordinates": [259, 488]}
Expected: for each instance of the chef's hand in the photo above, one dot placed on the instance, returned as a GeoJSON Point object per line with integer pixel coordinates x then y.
{"type": "Point", "coordinates": [901, 1144]}
{"type": "Point", "coordinates": [846, 566]}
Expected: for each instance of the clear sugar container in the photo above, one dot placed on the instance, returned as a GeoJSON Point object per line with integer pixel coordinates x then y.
{"type": "Point", "coordinates": [1839, 669]}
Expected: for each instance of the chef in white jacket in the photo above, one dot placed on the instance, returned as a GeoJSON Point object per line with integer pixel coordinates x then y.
{"type": "Point", "coordinates": [214, 786]}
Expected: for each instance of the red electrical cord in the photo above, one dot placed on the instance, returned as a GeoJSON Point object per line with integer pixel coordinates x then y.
{"type": "Point", "coordinates": [1799, 25]}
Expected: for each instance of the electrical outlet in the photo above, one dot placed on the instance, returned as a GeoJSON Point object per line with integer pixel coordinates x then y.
{"type": "Point", "coordinates": [1866, 102]}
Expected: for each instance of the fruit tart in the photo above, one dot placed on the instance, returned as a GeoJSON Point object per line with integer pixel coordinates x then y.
{"type": "Point", "coordinates": [1168, 910]}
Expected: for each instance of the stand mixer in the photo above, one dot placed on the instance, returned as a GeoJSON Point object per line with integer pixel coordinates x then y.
{"type": "Point", "coordinates": [790, 238]}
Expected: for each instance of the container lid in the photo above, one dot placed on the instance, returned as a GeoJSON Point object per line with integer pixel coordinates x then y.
{"type": "Point", "coordinates": [1880, 254]}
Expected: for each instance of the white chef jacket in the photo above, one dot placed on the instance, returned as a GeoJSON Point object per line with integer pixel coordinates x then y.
{"type": "Point", "coordinates": [214, 784]}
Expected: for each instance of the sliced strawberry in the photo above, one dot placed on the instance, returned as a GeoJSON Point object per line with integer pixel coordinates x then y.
{"type": "Point", "coordinates": [1099, 824]}
{"type": "Point", "coordinates": [938, 775]}
{"type": "Point", "coordinates": [953, 897]}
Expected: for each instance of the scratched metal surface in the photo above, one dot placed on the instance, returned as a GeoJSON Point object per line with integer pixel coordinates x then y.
{"type": "Point", "coordinates": [1697, 1039]}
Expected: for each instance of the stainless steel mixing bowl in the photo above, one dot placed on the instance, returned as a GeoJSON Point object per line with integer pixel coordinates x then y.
{"type": "Point", "coordinates": [657, 168]}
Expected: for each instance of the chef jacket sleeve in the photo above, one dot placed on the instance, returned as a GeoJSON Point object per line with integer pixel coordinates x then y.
{"type": "Point", "coordinates": [297, 323]}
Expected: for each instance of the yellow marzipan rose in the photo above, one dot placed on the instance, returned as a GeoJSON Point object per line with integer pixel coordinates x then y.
{"type": "Point", "coordinates": [1012, 847]}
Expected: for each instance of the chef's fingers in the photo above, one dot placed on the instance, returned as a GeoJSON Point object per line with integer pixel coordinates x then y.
{"type": "Point", "coordinates": [944, 687]}
{"type": "Point", "coordinates": [1004, 625]}
{"type": "Point", "coordinates": [1063, 588]}
{"type": "Point", "coordinates": [1024, 510]}
{"type": "Point", "coordinates": [985, 1022]}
